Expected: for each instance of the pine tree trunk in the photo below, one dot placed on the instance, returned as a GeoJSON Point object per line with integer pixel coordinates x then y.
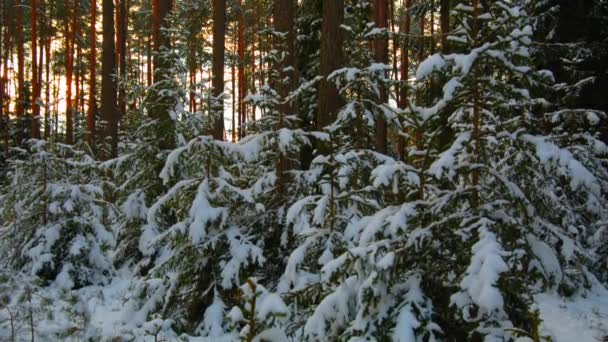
{"type": "Point", "coordinates": [395, 48]}
{"type": "Point", "coordinates": [149, 62]}
{"type": "Point", "coordinates": [241, 72]}
{"type": "Point", "coordinates": [20, 74]}
{"type": "Point", "coordinates": [331, 60]}
{"type": "Point", "coordinates": [35, 130]}
{"type": "Point", "coordinates": [159, 104]}
{"type": "Point", "coordinates": [405, 69]}
{"type": "Point", "coordinates": [284, 23]}
{"type": "Point", "coordinates": [109, 111]}
{"type": "Point", "coordinates": [444, 19]}
{"type": "Point", "coordinates": [4, 42]}
{"type": "Point", "coordinates": [47, 94]}
{"type": "Point", "coordinates": [233, 84]}
{"type": "Point", "coordinates": [122, 60]}
{"type": "Point", "coordinates": [381, 56]}
{"type": "Point", "coordinates": [419, 131]}
{"type": "Point", "coordinates": [69, 138]}
{"type": "Point", "coordinates": [253, 79]}
{"type": "Point", "coordinates": [219, 39]}
{"type": "Point", "coordinates": [476, 132]}
{"type": "Point", "coordinates": [92, 76]}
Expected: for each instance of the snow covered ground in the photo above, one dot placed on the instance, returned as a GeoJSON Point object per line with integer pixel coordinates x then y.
{"type": "Point", "coordinates": [101, 313]}
{"type": "Point", "coordinates": [584, 319]}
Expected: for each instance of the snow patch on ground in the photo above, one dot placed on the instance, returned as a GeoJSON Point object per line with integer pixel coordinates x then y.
{"type": "Point", "coordinates": [580, 319]}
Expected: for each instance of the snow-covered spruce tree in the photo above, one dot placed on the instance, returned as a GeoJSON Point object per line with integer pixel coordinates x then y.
{"type": "Point", "coordinates": [56, 216]}
{"type": "Point", "coordinates": [574, 51]}
{"type": "Point", "coordinates": [148, 138]}
{"type": "Point", "coordinates": [199, 239]}
{"type": "Point", "coordinates": [328, 275]}
{"type": "Point", "coordinates": [497, 221]}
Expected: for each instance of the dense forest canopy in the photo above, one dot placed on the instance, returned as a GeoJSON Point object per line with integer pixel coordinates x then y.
{"type": "Point", "coordinates": [304, 170]}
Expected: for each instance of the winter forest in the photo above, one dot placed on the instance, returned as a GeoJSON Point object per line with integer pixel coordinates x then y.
{"type": "Point", "coordinates": [304, 170]}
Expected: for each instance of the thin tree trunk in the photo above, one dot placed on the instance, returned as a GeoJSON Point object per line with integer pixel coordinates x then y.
{"type": "Point", "coordinates": [241, 72]}
{"type": "Point", "coordinates": [69, 72]}
{"type": "Point", "coordinates": [233, 84]}
{"type": "Point", "coordinates": [381, 56]}
{"type": "Point", "coordinates": [92, 76]}
{"type": "Point", "coordinates": [4, 41]}
{"type": "Point", "coordinates": [108, 81]}
{"type": "Point", "coordinates": [405, 69]}
{"type": "Point", "coordinates": [160, 105]}
{"type": "Point", "coordinates": [56, 110]}
{"type": "Point", "coordinates": [419, 131]}
{"type": "Point", "coordinates": [149, 62]}
{"type": "Point", "coordinates": [284, 23]}
{"type": "Point", "coordinates": [122, 60]}
{"type": "Point", "coordinates": [444, 13]}
{"type": "Point", "coordinates": [476, 109]}
{"type": "Point", "coordinates": [331, 60]}
{"type": "Point", "coordinates": [35, 130]}
{"type": "Point", "coordinates": [253, 79]}
{"type": "Point", "coordinates": [20, 74]}
{"type": "Point", "coordinates": [432, 29]}
{"type": "Point", "coordinates": [219, 39]}
{"type": "Point", "coordinates": [395, 48]}
{"type": "Point", "coordinates": [47, 95]}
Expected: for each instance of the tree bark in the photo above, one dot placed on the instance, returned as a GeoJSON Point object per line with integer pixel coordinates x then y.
{"type": "Point", "coordinates": [149, 62]}
{"type": "Point", "coordinates": [283, 24]}
{"type": "Point", "coordinates": [47, 73]}
{"type": "Point", "coordinates": [331, 60]}
{"type": "Point", "coordinates": [122, 59]}
{"type": "Point", "coordinates": [476, 105]}
{"type": "Point", "coordinates": [20, 74]}
{"type": "Point", "coordinates": [108, 81]}
{"type": "Point", "coordinates": [35, 129]}
{"type": "Point", "coordinates": [444, 14]}
{"type": "Point", "coordinates": [381, 56]}
{"type": "Point", "coordinates": [241, 72]}
{"type": "Point", "coordinates": [4, 48]}
{"type": "Point", "coordinates": [92, 77]}
{"type": "Point", "coordinates": [219, 40]}
{"type": "Point", "coordinates": [161, 105]}
{"type": "Point", "coordinates": [69, 115]}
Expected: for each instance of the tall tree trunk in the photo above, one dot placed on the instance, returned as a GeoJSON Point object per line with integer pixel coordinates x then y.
{"type": "Point", "coordinates": [35, 129]}
{"type": "Point", "coordinates": [47, 94]}
{"type": "Point", "coordinates": [331, 60]}
{"type": "Point", "coordinates": [476, 109]}
{"type": "Point", "coordinates": [284, 23]}
{"type": "Point", "coordinates": [160, 105]}
{"type": "Point", "coordinates": [444, 13]}
{"type": "Point", "coordinates": [405, 69]}
{"type": "Point", "coordinates": [233, 84]}
{"type": "Point", "coordinates": [419, 132]}
{"type": "Point", "coordinates": [122, 60]}
{"type": "Point", "coordinates": [149, 62]}
{"type": "Point", "coordinates": [253, 79]}
{"type": "Point", "coordinates": [395, 48]}
{"type": "Point", "coordinates": [4, 46]}
{"type": "Point", "coordinates": [108, 82]}
{"type": "Point", "coordinates": [69, 116]}
{"type": "Point", "coordinates": [381, 56]}
{"type": "Point", "coordinates": [77, 87]}
{"type": "Point", "coordinates": [219, 40]}
{"type": "Point", "coordinates": [92, 76]}
{"type": "Point", "coordinates": [20, 74]}
{"type": "Point", "coordinates": [241, 71]}
{"type": "Point", "coordinates": [192, 74]}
